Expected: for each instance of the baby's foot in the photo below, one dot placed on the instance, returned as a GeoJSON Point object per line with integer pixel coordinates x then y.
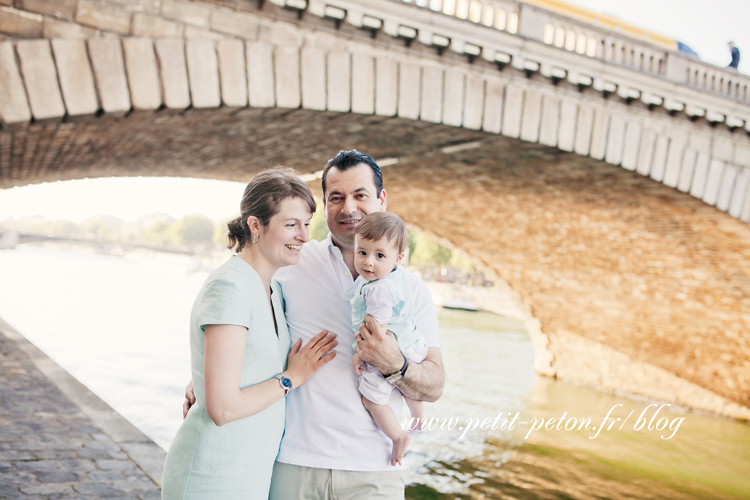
{"type": "Point", "coordinates": [417, 423]}
{"type": "Point", "coordinates": [399, 448]}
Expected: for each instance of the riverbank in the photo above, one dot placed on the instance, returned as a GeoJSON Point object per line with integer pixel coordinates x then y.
{"type": "Point", "coordinates": [60, 439]}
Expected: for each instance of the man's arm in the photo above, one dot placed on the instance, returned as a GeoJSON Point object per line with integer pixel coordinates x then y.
{"type": "Point", "coordinates": [422, 382]}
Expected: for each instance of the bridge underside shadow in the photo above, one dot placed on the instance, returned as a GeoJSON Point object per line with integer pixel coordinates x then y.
{"type": "Point", "coordinates": [637, 286]}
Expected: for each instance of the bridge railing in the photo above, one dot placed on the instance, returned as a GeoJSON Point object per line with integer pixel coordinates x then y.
{"type": "Point", "coordinates": [717, 80]}
{"type": "Point", "coordinates": [595, 42]}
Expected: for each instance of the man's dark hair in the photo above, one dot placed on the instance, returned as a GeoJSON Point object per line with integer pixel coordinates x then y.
{"type": "Point", "coordinates": [348, 159]}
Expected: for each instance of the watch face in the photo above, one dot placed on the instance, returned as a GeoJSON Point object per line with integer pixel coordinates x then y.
{"type": "Point", "coordinates": [286, 383]}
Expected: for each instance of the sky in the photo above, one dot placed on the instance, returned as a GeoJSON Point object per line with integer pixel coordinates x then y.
{"type": "Point", "coordinates": [706, 26]}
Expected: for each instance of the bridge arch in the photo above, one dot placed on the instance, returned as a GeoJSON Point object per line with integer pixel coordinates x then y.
{"type": "Point", "coordinates": [513, 137]}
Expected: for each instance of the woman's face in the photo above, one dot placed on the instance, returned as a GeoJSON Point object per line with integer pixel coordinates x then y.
{"type": "Point", "coordinates": [281, 240]}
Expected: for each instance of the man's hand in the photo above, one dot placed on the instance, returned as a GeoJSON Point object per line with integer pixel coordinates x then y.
{"type": "Point", "coordinates": [378, 347]}
{"type": "Point", "coordinates": [189, 399]}
{"type": "Point", "coordinates": [357, 363]}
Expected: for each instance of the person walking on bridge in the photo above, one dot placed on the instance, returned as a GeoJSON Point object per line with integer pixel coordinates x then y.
{"type": "Point", "coordinates": [735, 55]}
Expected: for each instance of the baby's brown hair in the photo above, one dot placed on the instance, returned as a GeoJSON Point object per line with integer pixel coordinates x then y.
{"type": "Point", "coordinates": [379, 225]}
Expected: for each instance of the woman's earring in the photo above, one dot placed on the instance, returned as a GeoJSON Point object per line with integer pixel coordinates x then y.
{"type": "Point", "coordinates": [255, 239]}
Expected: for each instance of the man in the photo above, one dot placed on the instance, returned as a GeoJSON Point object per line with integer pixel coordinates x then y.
{"type": "Point", "coordinates": [735, 56]}
{"type": "Point", "coordinates": [331, 447]}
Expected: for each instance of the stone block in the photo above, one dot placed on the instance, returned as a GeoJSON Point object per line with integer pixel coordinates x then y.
{"type": "Point", "coordinates": [512, 111]}
{"type": "Point", "coordinates": [153, 26]}
{"type": "Point", "coordinates": [18, 23]}
{"type": "Point", "coordinates": [633, 133]}
{"type": "Point", "coordinates": [14, 107]}
{"type": "Point", "coordinates": [339, 81]}
{"type": "Point", "coordinates": [532, 116]}
{"type": "Point", "coordinates": [235, 23]}
{"type": "Point", "coordinates": [740, 192]}
{"type": "Point", "coordinates": [473, 102]}
{"type": "Point", "coordinates": [687, 169]}
{"type": "Point", "coordinates": [232, 72]}
{"type": "Point", "coordinates": [548, 131]}
{"type": "Point", "coordinates": [532, 22]}
{"type": "Point", "coordinates": [260, 74]}
{"type": "Point", "coordinates": [615, 140]}
{"type": "Point", "coordinates": [713, 181]}
{"type": "Point", "coordinates": [584, 126]}
{"type": "Point", "coordinates": [567, 129]}
{"type": "Point", "coordinates": [186, 12]}
{"type": "Point", "coordinates": [40, 77]}
{"type": "Point", "coordinates": [76, 79]}
{"type": "Point", "coordinates": [203, 73]}
{"type": "Point", "coordinates": [646, 151]}
{"type": "Point", "coordinates": [722, 149]}
{"type": "Point", "coordinates": [103, 17]}
{"type": "Point", "coordinates": [286, 63]}
{"type": "Point", "coordinates": [408, 91]}
{"type": "Point", "coordinates": [170, 53]}
{"type": "Point", "coordinates": [677, 146]}
{"type": "Point", "coordinates": [599, 134]}
{"type": "Point", "coordinates": [142, 72]}
{"type": "Point", "coordinates": [203, 34]}
{"type": "Point", "coordinates": [431, 105]}
{"type": "Point", "coordinates": [742, 154]}
{"type": "Point", "coordinates": [63, 9]}
{"type": "Point", "coordinates": [659, 161]}
{"type": "Point", "coordinates": [313, 71]}
{"type": "Point", "coordinates": [150, 6]}
{"type": "Point", "coordinates": [386, 86]}
{"type": "Point", "coordinates": [453, 98]}
{"type": "Point", "coordinates": [109, 74]}
{"type": "Point", "coordinates": [745, 213]}
{"type": "Point", "coordinates": [363, 84]}
{"type": "Point", "coordinates": [61, 29]}
{"type": "Point", "coordinates": [702, 162]}
{"type": "Point", "coordinates": [726, 187]}
{"type": "Point", "coordinates": [289, 35]}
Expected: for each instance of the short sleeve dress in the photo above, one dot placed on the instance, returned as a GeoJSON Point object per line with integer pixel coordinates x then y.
{"type": "Point", "coordinates": [234, 461]}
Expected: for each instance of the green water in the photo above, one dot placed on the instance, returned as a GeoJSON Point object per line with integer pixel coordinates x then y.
{"type": "Point", "coordinates": [707, 457]}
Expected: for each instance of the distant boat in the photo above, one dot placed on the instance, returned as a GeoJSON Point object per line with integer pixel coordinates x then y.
{"type": "Point", "coordinates": [8, 240]}
{"type": "Point", "coordinates": [460, 303]}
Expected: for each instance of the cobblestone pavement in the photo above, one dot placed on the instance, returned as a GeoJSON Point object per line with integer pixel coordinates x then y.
{"type": "Point", "coordinates": [51, 447]}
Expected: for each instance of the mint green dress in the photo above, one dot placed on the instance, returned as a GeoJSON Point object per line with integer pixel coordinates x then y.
{"type": "Point", "coordinates": [234, 461]}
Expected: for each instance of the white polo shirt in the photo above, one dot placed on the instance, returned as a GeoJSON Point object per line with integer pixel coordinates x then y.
{"type": "Point", "coordinates": [327, 426]}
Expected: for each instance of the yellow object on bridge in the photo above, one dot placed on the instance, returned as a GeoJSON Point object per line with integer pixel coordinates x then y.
{"type": "Point", "coordinates": [605, 21]}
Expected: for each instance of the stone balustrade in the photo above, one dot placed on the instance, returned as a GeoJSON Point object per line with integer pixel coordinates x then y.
{"type": "Point", "coordinates": [592, 41]}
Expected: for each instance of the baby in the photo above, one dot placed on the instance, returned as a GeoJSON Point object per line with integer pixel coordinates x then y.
{"type": "Point", "coordinates": [382, 292]}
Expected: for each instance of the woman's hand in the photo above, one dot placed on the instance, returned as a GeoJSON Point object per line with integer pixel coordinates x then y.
{"type": "Point", "coordinates": [305, 361]}
{"type": "Point", "coordinates": [189, 399]}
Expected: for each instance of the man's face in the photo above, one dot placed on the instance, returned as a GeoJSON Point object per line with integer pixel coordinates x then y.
{"type": "Point", "coordinates": [350, 195]}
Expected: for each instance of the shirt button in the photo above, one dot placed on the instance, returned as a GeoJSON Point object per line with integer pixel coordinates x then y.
{"type": "Point", "coordinates": [346, 274]}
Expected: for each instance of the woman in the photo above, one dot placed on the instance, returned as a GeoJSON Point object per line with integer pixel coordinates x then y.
{"type": "Point", "coordinates": [239, 342]}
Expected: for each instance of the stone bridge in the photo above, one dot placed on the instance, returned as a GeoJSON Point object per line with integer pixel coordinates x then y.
{"type": "Point", "coordinates": [602, 176]}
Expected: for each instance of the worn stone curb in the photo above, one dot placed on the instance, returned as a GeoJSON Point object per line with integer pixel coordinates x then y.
{"type": "Point", "coordinates": [139, 448]}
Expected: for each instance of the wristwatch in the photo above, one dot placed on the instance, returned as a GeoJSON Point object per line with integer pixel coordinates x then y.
{"type": "Point", "coordinates": [395, 377]}
{"type": "Point", "coordinates": [285, 383]}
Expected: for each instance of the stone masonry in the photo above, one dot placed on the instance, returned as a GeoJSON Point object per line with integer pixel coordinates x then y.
{"type": "Point", "coordinates": [635, 278]}
{"type": "Point", "coordinates": [51, 448]}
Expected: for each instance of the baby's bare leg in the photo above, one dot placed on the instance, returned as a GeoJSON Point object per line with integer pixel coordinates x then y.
{"type": "Point", "coordinates": [388, 423]}
{"type": "Point", "coordinates": [416, 408]}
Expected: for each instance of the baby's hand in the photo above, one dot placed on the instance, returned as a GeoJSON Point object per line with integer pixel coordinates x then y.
{"type": "Point", "coordinates": [357, 364]}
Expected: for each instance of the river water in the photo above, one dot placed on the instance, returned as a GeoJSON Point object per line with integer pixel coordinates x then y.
{"type": "Point", "coordinates": [119, 325]}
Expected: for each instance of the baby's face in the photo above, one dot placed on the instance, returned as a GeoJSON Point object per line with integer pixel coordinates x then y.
{"type": "Point", "coordinates": [375, 259]}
